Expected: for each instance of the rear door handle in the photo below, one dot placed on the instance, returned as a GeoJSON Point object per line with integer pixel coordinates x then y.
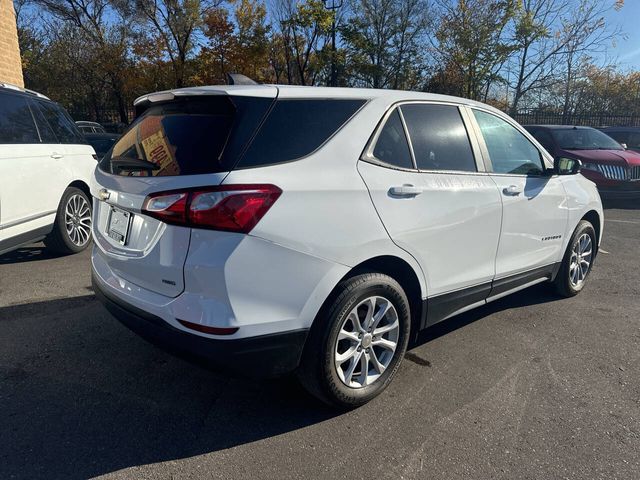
{"type": "Point", "coordinates": [406, 190]}
{"type": "Point", "coordinates": [56, 155]}
{"type": "Point", "coordinates": [512, 190]}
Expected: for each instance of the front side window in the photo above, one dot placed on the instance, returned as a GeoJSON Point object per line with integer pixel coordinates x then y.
{"type": "Point", "coordinates": [60, 122]}
{"type": "Point", "coordinates": [439, 137]}
{"type": "Point", "coordinates": [16, 121]}
{"type": "Point", "coordinates": [509, 150]}
{"type": "Point", "coordinates": [296, 128]}
{"type": "Point", "coordinates": [392, 147]}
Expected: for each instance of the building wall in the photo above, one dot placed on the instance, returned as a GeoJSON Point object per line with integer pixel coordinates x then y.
{"type": "Point", "coordinates": [10, 63]}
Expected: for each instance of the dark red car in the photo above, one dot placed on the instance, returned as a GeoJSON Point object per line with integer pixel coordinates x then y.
{"type": "Point", "coordinates": [614, 170]}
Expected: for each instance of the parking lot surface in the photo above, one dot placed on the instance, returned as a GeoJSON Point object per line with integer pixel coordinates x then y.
{"type": "Point", "coordinates": [529, 387]}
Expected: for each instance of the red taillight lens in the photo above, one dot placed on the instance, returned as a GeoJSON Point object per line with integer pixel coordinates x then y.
{"type": "Point", "coordinates": [234, 208]}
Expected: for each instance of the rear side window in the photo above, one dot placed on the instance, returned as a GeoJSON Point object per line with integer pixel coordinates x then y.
{"type": "Point", "coordinates": [189, 136]}
{"type": "Point", "coordinates": [392, 147]}
{"type": "Point", "coordinates": [60, 122]}
{"type": "Point", "coordinates": [16, 121]}
{"type": "Point", "coordinates": [296, 128]}
{"type": "Point", "coordinates": [439, 137]}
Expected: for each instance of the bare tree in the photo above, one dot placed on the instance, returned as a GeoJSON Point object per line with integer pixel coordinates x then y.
{"type": "Point", "coordinates": [551, 37]}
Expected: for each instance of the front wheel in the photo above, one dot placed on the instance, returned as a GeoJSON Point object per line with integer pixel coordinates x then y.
{"type": "Point", "coordinates": [358, 342]}
{"type": "Point", "coordinates": [577, 261]}
{"type": "Point", "coordinates": [72, 228]}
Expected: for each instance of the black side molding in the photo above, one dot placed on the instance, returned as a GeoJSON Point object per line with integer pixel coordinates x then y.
{"type": "Point", "coordinates": [441, 307]}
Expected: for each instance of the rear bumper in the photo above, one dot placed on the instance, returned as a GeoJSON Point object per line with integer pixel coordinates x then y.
{"type": "Point", "coordinates": [259, 357]}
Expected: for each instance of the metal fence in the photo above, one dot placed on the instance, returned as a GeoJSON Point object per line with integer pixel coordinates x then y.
{"type": "Point", "coordinates": [601, 119]}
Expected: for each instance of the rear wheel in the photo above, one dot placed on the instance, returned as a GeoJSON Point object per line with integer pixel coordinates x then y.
{"type": "Point", "coordinates": [358, 342]}
{"type": "Point", "coordinates": [72, 228]}
{"type": "Point", "coordinates": [577, 261]}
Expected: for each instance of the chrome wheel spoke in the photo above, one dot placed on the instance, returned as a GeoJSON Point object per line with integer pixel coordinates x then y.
{"type": "Point", "coordinates": [348, 374]}
{"type": "Point", "coordinates": [381, 342]}
{"type": "Point", "coordinates": [363, 378]}
{"type": "Point", "coordinates": [376, 363]}
{"type": "Point", "coordinates": [386, 328]}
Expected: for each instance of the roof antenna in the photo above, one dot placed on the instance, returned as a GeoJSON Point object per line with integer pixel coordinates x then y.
{"type": "Point", "coordinates": [238, 79]}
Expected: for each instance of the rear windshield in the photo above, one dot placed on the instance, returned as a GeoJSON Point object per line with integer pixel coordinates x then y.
{"type": "Point", "coordinates": [189, 136]}
{"type": "Point", "coordinates": [194, 136]}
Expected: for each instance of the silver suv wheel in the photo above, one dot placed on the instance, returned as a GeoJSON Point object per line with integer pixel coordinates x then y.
{"type": "Point", "coordinates": [366, 342]}
{"type": "Point", "coordinates": [77, 219]}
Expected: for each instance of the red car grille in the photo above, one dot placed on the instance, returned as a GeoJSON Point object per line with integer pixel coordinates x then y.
{"type": "Point", "coordinates": [616, 172]}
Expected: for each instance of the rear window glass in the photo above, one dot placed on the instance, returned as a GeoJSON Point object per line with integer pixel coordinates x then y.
{"type": "Point", "coordinates": [296, 128]}
{"type": "Point", "coordinates": [16, 122]}
{"type": "Point", "coordinates": [190, 136]}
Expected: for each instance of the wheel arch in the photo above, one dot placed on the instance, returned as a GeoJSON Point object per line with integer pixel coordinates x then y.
{"type": "Point", "coordinates": [82, 186]}
{"type": "Point", "coordinates": [594, 218]}
{"type": "Point", "coordinates": [398, 269]}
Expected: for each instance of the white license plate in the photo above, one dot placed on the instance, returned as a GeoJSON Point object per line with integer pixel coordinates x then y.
{"type": "Point", "coordinates": [118, 225]}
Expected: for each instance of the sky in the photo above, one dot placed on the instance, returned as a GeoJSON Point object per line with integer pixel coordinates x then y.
{"type": "Point", "coordinates": [627, 49]}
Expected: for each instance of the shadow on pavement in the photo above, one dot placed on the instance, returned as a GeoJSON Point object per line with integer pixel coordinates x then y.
{"type": "Point", "coordinates": [27, 254]}
{"type": "Point", "coordinates": [82, 396]}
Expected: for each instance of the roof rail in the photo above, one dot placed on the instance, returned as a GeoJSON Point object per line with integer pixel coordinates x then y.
{"type": "Point", "coordinates": [11, 86]}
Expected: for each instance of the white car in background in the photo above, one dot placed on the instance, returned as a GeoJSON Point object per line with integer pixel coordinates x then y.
{"type": "Point", "coordinates": [45, 169]}
{"type": "Point", "coordinates": [277, 229]}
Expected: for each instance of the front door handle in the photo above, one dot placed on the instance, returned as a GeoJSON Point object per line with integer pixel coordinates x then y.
{"type": "Point", "coordinates": [56, 155]}
{"type": "Point", "coordinates": [406, 190]}
{"type": "Point", "coordinates": [512, 190]}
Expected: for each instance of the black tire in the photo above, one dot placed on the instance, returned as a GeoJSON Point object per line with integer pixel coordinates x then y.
{"type": "Point", "coordinates": [562, 282]}
{"type": "Point", "coordinates": [59, 240]}
{"type": "Point", "coordinates": [318, 371]}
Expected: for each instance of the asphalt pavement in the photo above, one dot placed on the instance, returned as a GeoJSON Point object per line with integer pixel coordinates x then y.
{"type": "Point", "coordinates": [529, 387]}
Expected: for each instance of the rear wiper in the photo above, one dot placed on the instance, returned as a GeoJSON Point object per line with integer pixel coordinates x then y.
{"type": "Point", "coordinates": [130, 163]}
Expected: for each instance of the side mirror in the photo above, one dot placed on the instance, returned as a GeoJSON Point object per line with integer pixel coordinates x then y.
{"type": "Point", "coordinates": [566, 166]}
{"type": "Point", "coordinates": [624, 145]}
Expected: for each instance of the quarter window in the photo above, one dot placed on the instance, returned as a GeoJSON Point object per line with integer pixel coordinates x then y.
{"type": "Point", "coordinates": [439, 137]}
{"type": "Point", "coordinates": [296, 128]}
{"type": "Point", "coordinates": [60, 122]}
{"type": "Point", "coordinates": [392, 147]}
{"type": "Point", "coordinates": [16, 121]}
{"type": "Point", "coordinates": [509, 150]}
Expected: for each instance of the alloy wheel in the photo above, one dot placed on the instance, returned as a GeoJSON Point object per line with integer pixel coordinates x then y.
{"type": "Point", "coordinates": [366, 342]}
{"type": "Point", "coordinates": [77, 219]}
{"type": "Point", "coordinates": [580, 262]}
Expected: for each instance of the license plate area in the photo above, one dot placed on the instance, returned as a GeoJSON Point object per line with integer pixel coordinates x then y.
{"type": "Point", "coordinates": [118, 225]}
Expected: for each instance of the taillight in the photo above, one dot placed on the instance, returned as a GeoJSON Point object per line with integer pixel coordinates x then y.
{"type": "Point", "coordinates": [234, 208]}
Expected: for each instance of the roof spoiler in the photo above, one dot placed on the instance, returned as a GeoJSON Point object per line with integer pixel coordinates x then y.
{"type": "Point", "coordinates": [239, 79]}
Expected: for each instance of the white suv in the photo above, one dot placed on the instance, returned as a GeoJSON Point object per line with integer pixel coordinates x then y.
{"type": "Point", "coordinates": [45, 169]}
{"type": "Point", "coordinates": [275, 229]}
